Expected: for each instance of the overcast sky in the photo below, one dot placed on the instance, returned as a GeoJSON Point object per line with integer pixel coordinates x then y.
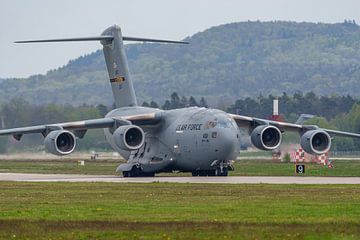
{"type": "Point", "coordinates": [170, 19]}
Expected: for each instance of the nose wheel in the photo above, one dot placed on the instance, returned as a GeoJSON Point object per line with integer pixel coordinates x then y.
{"type": "Point", "coordinates": [137, 172]}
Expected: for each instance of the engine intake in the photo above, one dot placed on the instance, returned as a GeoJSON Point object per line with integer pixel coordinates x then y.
{"type": "Point", "coordinates": [266, 137]}
{"type": "Point", "coordinates": [129, 137]}
{"type": "Point", "coordinates": [60, 142]}
{"type": "Point", "coordinates": [316, 142]}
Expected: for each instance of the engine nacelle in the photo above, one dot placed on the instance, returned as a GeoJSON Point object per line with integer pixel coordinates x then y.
{"type": "Point", "coordinates": [316, 142]}
{"type": "Point", "coordinates": [266, 137]}
{"type": "Point", "coordinates": [60, 142]}
{"type": "Point", "coordinates": [129, 137]}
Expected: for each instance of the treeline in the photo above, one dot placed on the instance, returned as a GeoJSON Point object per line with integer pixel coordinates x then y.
{"type": "Point", "coordinates": [337, 112]}
{"type": "Point", "coordinates": [177, 102]}
{"type": "Point", "coordinates": [291, 106]}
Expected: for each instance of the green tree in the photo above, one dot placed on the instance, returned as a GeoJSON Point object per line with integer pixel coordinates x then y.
{"type": "Point", "coordinates": [153, 104]}
{"type": "Point", "coordinates": [175, 101]}
{"type": "Point", "coordinates": [192, 102]}
{"type": "Point", "coordinates": [145, 104]}
{"type": "Point", "coordinates": [184, 102]}
{"type": "Point", "coordinates": [203, 102]}
{"type": "Point", "coordinates": [167, 105]}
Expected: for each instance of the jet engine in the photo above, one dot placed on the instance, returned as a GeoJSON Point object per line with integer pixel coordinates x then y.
{"type": "Point", "coordinates": [316, 142]}
{"type": "Point", "coordinates": [266, 137]}
{"type": "Point", "coordinates": [129, 137]}
{"type": "Point", "coordinates": [60, 142]}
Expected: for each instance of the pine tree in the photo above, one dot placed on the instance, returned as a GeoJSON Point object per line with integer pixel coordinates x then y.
{"type": "Point", "coordinates": [203, 102]}
{"type": "Point", "coordinates": [175, 100]}
{"type": "Point", "coordinates": [192, 102]}
{"type": "Point", "coordinates": [145, 104]}
{"type": "Point", "coordinates": [153, 104]}
{"type": "Point", "coordinates": [167, 105]}
{"type": "Point", "coordinates": [184, 102]}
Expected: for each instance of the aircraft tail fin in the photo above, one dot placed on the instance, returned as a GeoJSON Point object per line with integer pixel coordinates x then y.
{"type": "Point", "coordinates": [116, 62]}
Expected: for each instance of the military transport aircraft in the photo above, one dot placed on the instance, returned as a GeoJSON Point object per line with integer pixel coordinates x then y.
{"type": "Point", "coordinates": [203, 141]}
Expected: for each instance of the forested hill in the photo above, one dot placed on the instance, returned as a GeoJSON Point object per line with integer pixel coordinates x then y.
{"type": "Point", "coordinates": [230, 61]}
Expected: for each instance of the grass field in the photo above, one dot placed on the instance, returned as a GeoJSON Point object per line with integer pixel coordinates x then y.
{"type": "Point", "coordinates": [178, 211]}
{"type": "Point", "coordinates": [242, 167]}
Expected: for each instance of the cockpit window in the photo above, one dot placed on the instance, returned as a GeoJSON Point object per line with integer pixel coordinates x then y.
{"type": "Point", "coordinates": [210, 124]}
{"type": "Point", "coordinates": [223, 124]}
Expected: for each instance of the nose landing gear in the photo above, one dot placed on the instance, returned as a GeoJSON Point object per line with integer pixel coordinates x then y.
{"type": "Point", "coordinates": [137, 172]}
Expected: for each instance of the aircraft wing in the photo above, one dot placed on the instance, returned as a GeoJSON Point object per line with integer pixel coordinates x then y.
{"type": "Point", "coordinates": [80, 127]}
{"type": "Point", "coordinates": [251, 122]}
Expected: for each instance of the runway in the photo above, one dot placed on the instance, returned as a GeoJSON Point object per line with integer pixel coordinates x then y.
{"type": "Point", "coordinates": [27, 177]}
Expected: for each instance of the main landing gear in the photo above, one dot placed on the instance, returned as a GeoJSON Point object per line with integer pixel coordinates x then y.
{"type": "Point", "coordinates": [213, 172]}
{"type": "Point", "coordinates": [137, 172]}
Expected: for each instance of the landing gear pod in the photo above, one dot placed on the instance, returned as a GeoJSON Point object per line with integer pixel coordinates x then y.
{"type": "Point", "coordinates": [60, 142]}
{"type": "Point", "coordinates": [316, 142]}
{"type": "Point", "coordinates": [129, 137]}
{"type": "Point", "coordinates": [266, 137]}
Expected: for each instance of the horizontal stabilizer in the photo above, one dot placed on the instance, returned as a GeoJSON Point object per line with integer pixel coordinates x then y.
{"type": "Point", "coordinates": [99, 38]}
{"type": "Point", "coordinates": [69, 39]}
{"type": "Point", "coordinates": [151, 40]}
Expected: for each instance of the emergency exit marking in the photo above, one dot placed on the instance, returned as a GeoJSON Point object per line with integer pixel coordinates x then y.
{"type": "Point", "coordinates": [300, 168]}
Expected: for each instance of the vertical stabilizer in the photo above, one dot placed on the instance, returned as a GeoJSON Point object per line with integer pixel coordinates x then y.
{"type": "Point", "coordinates": [117, 66]}
{"type": "Point", "coordinates": [116, 62]}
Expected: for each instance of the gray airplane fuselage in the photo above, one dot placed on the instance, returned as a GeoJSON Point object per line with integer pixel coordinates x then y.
{"type": "Point", "coordinates": [186, 139]}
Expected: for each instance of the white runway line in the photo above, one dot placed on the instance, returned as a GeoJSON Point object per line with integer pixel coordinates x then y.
{"type": "Point", "coordinates": [25, 177]}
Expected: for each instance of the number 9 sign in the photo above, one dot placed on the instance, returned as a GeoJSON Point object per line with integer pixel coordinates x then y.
{"type": "Point", "coordinates": [300, 168]}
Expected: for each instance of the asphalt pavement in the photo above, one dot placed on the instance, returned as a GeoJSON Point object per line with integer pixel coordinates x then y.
{"type": "Point", "coordinates": [31, 177]}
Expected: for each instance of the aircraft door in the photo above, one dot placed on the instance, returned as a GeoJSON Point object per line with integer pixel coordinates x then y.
{"type": "Point", "coordinates": [187, 144]}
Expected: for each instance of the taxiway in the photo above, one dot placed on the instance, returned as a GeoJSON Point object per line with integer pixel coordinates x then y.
{"type": "Point", "coordinates": [27, 177]}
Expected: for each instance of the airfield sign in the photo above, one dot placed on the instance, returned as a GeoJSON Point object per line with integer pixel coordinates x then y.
{"type": "Point", "coordinates": [300, 168]}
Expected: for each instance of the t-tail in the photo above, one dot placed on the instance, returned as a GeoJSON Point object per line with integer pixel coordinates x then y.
{"type": "Point", "coordinates": [116, 62]}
